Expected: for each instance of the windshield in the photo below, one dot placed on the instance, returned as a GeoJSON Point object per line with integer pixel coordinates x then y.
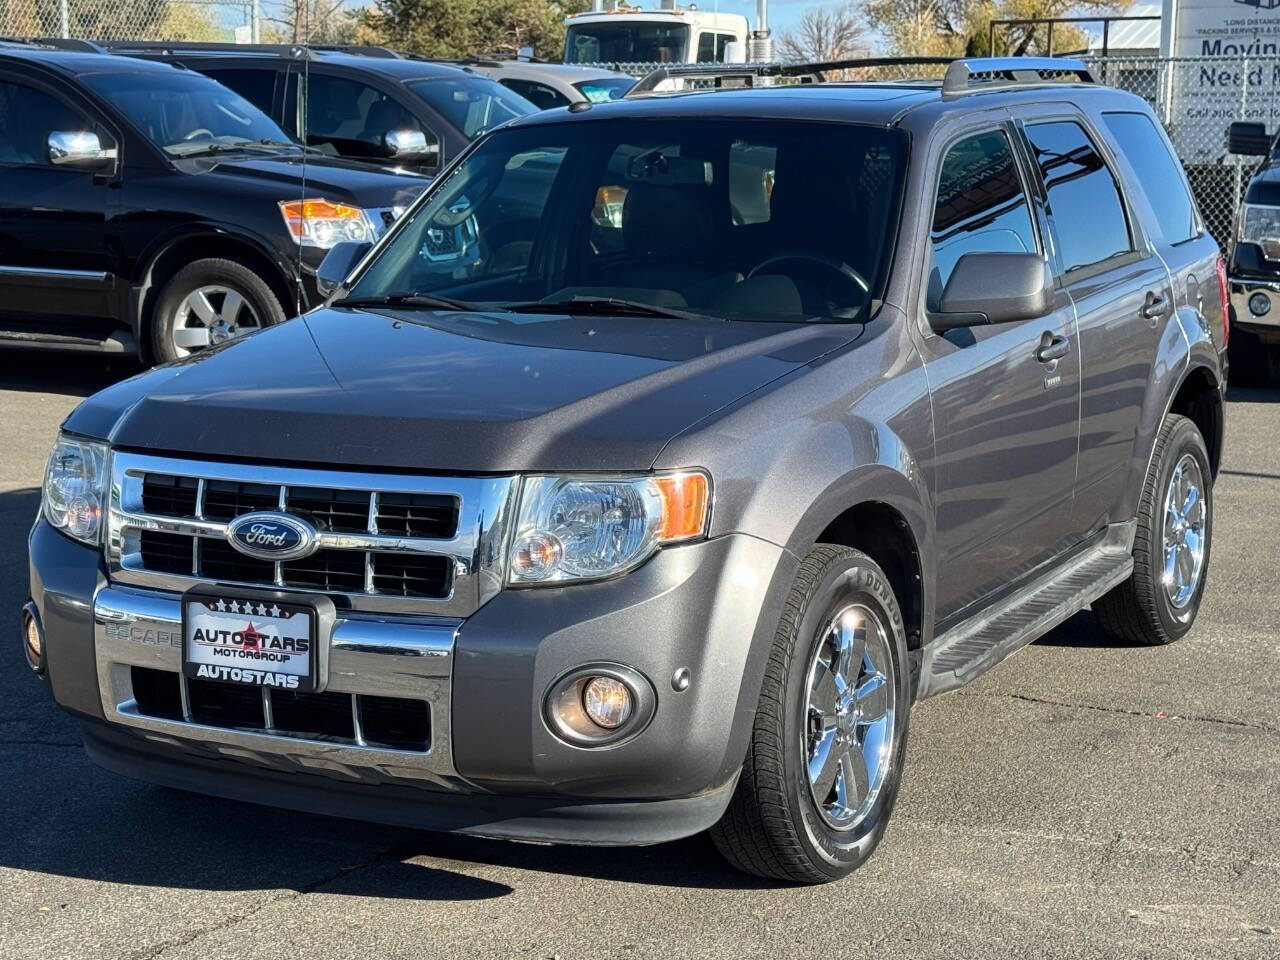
{"type": "Point", "coordinates": [633, 42]}
{"type": "Point", "coordinates": [605, 88]}
{"type": "Point", "coordinates": [473, 105]}
{"type": "Point", "coordinates": [743, 219]}
{"type": "Point", "coordinates": [186, 113]}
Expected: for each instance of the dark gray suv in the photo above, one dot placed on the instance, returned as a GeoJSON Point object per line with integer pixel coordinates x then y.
{"type": "Point", "coordinates": [653, 466]}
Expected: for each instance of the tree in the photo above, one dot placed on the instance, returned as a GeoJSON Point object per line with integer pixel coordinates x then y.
{"type": "Point", "coordinates": [459, 28]}
{"type": "Point", "coordinates": [960, 27]}
{"type": "Point", "coordinates": [310, 21]}
{"type": "Point", "coordinates": [824, 33]}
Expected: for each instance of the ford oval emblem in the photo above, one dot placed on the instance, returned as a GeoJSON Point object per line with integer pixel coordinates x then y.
{"type": "Point", "coordinates": [272, 536]}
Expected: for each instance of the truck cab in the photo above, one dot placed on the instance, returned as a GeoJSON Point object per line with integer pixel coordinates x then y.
{"type": "Point", "coordinates": [632, 34]}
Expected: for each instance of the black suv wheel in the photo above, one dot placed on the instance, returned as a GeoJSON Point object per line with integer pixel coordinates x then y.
{"type": "Point", "coordinates": [209, 302]}
{"type": "Point", "coordinates": [1159, 602]}
{"type": "Point", "coordinates": [828, 743]}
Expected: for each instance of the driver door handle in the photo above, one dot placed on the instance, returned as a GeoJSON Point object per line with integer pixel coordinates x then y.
{"type": "Point", "coordinates": [1052, 348]}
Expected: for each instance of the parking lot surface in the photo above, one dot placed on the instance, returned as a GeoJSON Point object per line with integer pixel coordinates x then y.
{"type": "Point", "coordinates": [1081, 800]}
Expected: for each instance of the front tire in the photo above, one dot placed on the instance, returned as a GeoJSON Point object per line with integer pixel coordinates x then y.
{"type": "Point", "coordinates": [829, 739]}
{"type": "Point", "coordinates": [1160, 600]}
{"type": "Point", "coordinates": [208, 302]}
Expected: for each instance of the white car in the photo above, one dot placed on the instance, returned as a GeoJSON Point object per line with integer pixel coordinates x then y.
{"type": "Point", "coordinates": [548, 85]}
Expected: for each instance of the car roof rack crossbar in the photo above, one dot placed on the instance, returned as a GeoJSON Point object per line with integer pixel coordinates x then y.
{"type": "Point", "coordinates": [726, 75]}
{"type": "Point", "coordinates": [960, 76]}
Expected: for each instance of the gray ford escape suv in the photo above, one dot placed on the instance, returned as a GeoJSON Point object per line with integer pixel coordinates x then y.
{"type": "Point", "coordinates": [653, 466]}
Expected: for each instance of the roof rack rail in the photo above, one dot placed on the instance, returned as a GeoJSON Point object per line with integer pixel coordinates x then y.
{"type": "Point", "coordinates": [57, 43]}
{"type": "Point", "coordinates": [745, 74]}
{"type": "Point", "coordinates": [959, 76]}
{"type": "Point", "coordinates": [1010, 70]}
{"type": "Point", "coordinates": [289, 49]}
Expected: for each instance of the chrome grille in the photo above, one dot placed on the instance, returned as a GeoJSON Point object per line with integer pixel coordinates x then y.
{"type": "Point", "coordinates": [386, 542]}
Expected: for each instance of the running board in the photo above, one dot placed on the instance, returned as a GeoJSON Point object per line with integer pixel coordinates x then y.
{"type": "Point", "coordinates": [971, 648]}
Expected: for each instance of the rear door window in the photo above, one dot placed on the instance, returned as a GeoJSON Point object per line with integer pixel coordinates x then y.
{"type": "Point", "coordinates": [981, 207]}
{"type": "Point", "coordinates": [1084, 199]}
{"type": "Point", "coordinates": [1158, 171]}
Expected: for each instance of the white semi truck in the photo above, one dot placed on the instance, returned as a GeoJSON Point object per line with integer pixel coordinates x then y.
{"type": "Point", "coordinates": [617, 32]}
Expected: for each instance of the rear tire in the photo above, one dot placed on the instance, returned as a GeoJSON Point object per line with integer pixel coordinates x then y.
{"type": "Point", "coordinates": [208, 302]}
{"type": "Point", "coordinates": [1160, 600]}
{"type": "Point", "coordinates": [841, 619]}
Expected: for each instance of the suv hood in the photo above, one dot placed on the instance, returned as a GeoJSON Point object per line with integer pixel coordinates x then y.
{"type": "Point", "coordinates": [338, 180]}
{"type": "Point", "coordinates": [451, 392]}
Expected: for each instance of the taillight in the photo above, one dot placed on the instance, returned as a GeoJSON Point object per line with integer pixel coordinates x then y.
{"type": "Point", "coordinates": [1225, 297]}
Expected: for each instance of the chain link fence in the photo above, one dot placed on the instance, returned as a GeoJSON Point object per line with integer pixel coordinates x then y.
{"type": "Point", "coordinates": [1194, 97]}
{"type": "Point", "coordinates": [214, 21]}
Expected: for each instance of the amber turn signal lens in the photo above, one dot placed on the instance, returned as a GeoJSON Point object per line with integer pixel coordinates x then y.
{"type": "Point", "coordinates": [685, 498]}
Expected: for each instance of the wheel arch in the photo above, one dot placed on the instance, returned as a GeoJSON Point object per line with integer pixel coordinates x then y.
{"type": "Point", "coordinates": [172, 255]}
{"type": "Point", "coordinates": [1198, 397]}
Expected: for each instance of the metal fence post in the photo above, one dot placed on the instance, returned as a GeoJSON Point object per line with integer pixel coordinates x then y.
{"type": "Point", "coordinates": [255, 22]}
{"type": "Point", "coordinates": [64, 18]}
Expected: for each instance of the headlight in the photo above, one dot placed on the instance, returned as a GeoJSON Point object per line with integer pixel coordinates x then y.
{"type": "Point", "coordinates": [1260, 224]}
{"type": "Point", "coordinates": [587, 528]}
{"type": "Point", "coordinates": [75, 488]}
{"type": "Point", "coordinates": [319, 223]}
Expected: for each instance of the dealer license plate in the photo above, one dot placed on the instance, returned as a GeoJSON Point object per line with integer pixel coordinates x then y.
{"type": "Point", "coordinates": [258, 642]}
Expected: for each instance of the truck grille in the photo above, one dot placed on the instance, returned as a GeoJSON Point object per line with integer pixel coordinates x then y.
{"type": "Point", "coordinates": [375, 721]}
{"type": "Point", "coordinates": [384, 541]}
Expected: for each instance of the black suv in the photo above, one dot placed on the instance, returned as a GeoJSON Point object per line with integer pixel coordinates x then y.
{"type": "Point", "coordinates": [365, 103]}
{"type": "Point", "coordinates": [145, 208]}
{"type": "Point", "coordinates": [1255, 258]}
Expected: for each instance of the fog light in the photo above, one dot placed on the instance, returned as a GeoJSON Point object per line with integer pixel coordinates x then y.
{"type": "Point", "coordinates": [607, 701]}
{"type": "Point", "coordinates": [32, 641]}
{"type": "Point", "coordinates": [599, 703]}
{"type": "Point", "coordinates": [1259, 304]}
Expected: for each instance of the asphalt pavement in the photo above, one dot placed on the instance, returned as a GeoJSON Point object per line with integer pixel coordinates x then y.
{"type": "Point", "coordinates": [1081, 800]}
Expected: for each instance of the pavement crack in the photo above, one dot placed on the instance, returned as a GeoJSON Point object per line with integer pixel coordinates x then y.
{"type": "Point", "coordinates": [186, 937]}
{"type": "Point", "coordinates": [1123, 711]}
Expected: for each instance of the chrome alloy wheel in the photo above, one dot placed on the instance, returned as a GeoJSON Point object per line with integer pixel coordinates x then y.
{"type": "Point", "coordinates": [1184, 528]}
{"type": "Point", "coordinates": [849, 716]}
{"type": "Point", "coordinates": [209, 315]}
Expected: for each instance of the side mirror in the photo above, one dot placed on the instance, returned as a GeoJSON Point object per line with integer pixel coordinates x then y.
{"type": "Point", "coordinates": [80, 149]}
{"type": "Point", "coordinates": [988, 288]}
{"type": "Point", "coordinates": [408, 143]}
{"type": "Point", "coordinates": [337, 265]}
{"type": "Point", "coordinates": [1248, 139]}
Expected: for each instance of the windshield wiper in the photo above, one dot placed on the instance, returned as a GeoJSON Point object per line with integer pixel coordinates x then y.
{"type": "Point", "coordinates": [411, 300]}
{"type": "Point", "coordinates": [606, 306]}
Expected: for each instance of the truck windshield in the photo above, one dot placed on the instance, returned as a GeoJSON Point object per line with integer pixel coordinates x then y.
{"type": "Point", "coordinates": [630, 42]}
{"type": "Point", "coordinates": [187, 113]}
{"type": "Point", "coordinates": [473, 105]}
{"type": "Point", "coordinates": [742, 220]}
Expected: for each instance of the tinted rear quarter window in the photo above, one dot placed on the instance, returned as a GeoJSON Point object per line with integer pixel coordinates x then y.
{"type": "Point", "coordinates": [1084, 200]}
{"type": "Point", "coordinates": [1159, 173]}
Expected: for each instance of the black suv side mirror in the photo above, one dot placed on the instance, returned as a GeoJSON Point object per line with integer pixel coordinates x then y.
{"type": "Point", "coordinates": [1247, 138]}
{"type": "Point", "coordinates": [337, 264]}
{"type": "Point", "coordinates": [989, 288]}
{"type": "Point", "coordinates": [81, 150]}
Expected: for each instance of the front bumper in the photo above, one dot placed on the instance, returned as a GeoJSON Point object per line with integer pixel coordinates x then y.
{"type": "Point", "coordinates": [1243, 291]}
{"type": "Point", "coordinates": [493, 766]}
